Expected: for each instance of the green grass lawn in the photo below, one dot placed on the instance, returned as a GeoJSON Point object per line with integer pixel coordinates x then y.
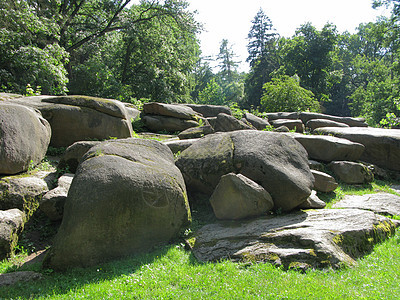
{"type": "Point", "coordinates": [172, 272]}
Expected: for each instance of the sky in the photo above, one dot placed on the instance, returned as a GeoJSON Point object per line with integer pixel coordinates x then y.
{"type": "Point", "coordinates": [227, 19]}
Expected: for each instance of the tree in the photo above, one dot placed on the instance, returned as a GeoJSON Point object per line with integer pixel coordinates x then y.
{"type": "Point", "coordinates": [260, 35]}
{"type": "Point", "coordinates": [212, 94]}
{"type": "Point", "coordinates": [29, 53]}
{"type": "Point", "coordinates": [228, 66]}
{"type": "Point", "coordinates": [263, 57]}
{"type": "Point", "coordinates": [284, 93]}
{"type": "Point", "coordinates": [309, 55]}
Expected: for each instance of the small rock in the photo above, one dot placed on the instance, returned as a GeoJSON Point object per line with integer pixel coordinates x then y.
{"type": "Point", "coordinates": [324, 182]}
{"type": "Point", "coordinates": [351, 172]}
{"type": "Point", "coordinates": [52, 203]}
{"type": "Point", "coordinates": [11, 222]}
{"type": "Point", "coordinates": [237, 197]}
{"type": "Point", "coordinates": [312, 202]}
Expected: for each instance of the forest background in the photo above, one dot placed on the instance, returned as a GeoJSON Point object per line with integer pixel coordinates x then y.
{"type": "Point", "coordinates": [150, 52]}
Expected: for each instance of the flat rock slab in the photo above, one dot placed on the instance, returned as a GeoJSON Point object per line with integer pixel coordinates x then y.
{"type": "Point", "coordinates": [23, 276]}
{"type": "Point", "coordinates": [382, 146]}
{"type": "Point", "coordinates": [313, 238]}
{"type": "Point", "coordinates": [381, 203]}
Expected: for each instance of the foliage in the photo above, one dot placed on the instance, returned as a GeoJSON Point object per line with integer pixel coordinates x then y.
{"type": "Point", "coordinates": [284, 93]}
{"type": "Point", "coordinates": [263, 57]}
{"type": "Point", "coordinates": [212, 94]}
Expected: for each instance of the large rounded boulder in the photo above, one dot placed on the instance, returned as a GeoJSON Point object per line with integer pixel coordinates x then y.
{"type": "Point", "coordinates": [276, 162]}
{"type": "Point", "coordinates": [127, 196]}
{"type": "Point", "coordinates": [24, 138]}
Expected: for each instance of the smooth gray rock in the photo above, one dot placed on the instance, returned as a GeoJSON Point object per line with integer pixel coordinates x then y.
{"type": "Point", "coordinates": [78, 118]}
{"type": "Point", "coordinates": [353, 122]}
{"type": "Point", "coordinates": [257, 122]}
{"type": "Point", "coordinates": [351, 172]}
{"type": "Point", "coordinates": [322, 238]}
{"type": "Point", "coordinates": [382, 146]}
{"type": "Point", "coordinates": [73, 154]}
{"type": "Point", "coordinates": [329, 148]}
{"type": "Point", "coordinates": [161, 123]}
{"type": "Point", "coordinates": [226, 123]}
{"type": "Point", "coordinates": [317, 123]}
{"type": "Point", "coordinates": [196, 132]}
{"type": "Point", "coordinates": [324, 182]}
{"type": "Point", "coordinates": [25, 191]}
{"type": "Point", "coordinates": [380, 203]}
{"type": "Point", "coordinates": [275, 161]}
{"type": "Point", "coordinates": [209, 110]}
{"type": "Point", "coordinates": [312, 202]}
{"type": "Point", "coordinates": [24, 138]}
{"type": "Point", "coordinates": [282, 115]}
{"type": "Point", "coordinates": [170, 110]}
{"type": "Point", "coordinates": [11, 223]}
{"type": "Point", "coordinates": [291, 124]}
{"type": "Point", "coordinates": [20, 276]}
{"type": "Point", "coordinates": [52, 203]}
{"type": "Point", "coordinates": [127, 197]}
{"type": "Point", "coordinates": [179, 145]}
{"type": "Point", "coordinates": [238, 197]}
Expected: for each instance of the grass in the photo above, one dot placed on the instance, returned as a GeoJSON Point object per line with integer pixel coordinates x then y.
{"type": "Point", "coordinates": [171, 272]}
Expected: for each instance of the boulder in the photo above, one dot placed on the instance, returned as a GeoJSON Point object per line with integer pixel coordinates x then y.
{"type": "Point", "coordinates": [73, 154]}
{"type": "Point", "coordinates": [212, 121]}
{"type": "Point", "coordinates": [161, 123]}
{"type": "Point", "coordinates": [329, 148]}
{"type": "Point", "coordinates": [81, 118]}
{"type": "Point", "coordinates": [257, 122]}
{"type": "Point", "coordinates": [324, 182]}
{"type": "Point", "coordinates": [277, 162]}
{"type": "Point", "coordinates": [127, 197]}
{"type": "Point", "coordinates": [195, 132]}
{"type": "Point", "coordinates": [179, 145]}
{"type": "Point", "coordinates": [237, 197]}
{"type": "Point", "coordinates": [170, 110]}
{"type": "Point", "coordinates": [11, 223]}
{"type": "Point", "coordinates": [352, 122]}
{"type": "Point", "coordinates": [312, 202]}
{"type": "Point", "coordinates": [380, 203]}
{"type": "Point", "coordinates": [282, 115]}
{"type": "Point", "coordinates": [225, 123]}
{"type": "Point", "coordinates": [351, 172]}
{"type": "Point", "coordinates": [25, 191]}
{"type": "Point", "coordinates": [291, 124]}
{"type": "Point", "coordinates": [52, 203]}
{"type": "Point", "coordinates": [325, 238]}
{"type": "Point", "coordinates": [25, 137]}
{"type": "Point", "coordinates": [315, 165]}
{"type": "Point", "coordinates": [282, 129]}
{"type": "Point", "coordinates": [210, 110]}
{"type": "Point", "coordinates": [19, 277]}
{"type": "Point", "coordinates": [317, 123]}
{"type": "Point", "coordinates": [382, 146]}
{"type": "Point", "coordinates": [132, 112]}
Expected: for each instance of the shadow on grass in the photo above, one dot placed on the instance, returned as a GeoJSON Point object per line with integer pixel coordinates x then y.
{"type": "Point", "coordinates": [60, 283]}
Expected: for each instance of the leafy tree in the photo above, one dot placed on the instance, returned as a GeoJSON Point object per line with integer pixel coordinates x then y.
{"type": "Point", "coordinates": [284, 93]}
{"type": "Point", "coordinates": [29, 53]}
{"type": "Point", "coordinates": [212, 94]}
{"type": "Point", "coordinates": [309, 55]}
